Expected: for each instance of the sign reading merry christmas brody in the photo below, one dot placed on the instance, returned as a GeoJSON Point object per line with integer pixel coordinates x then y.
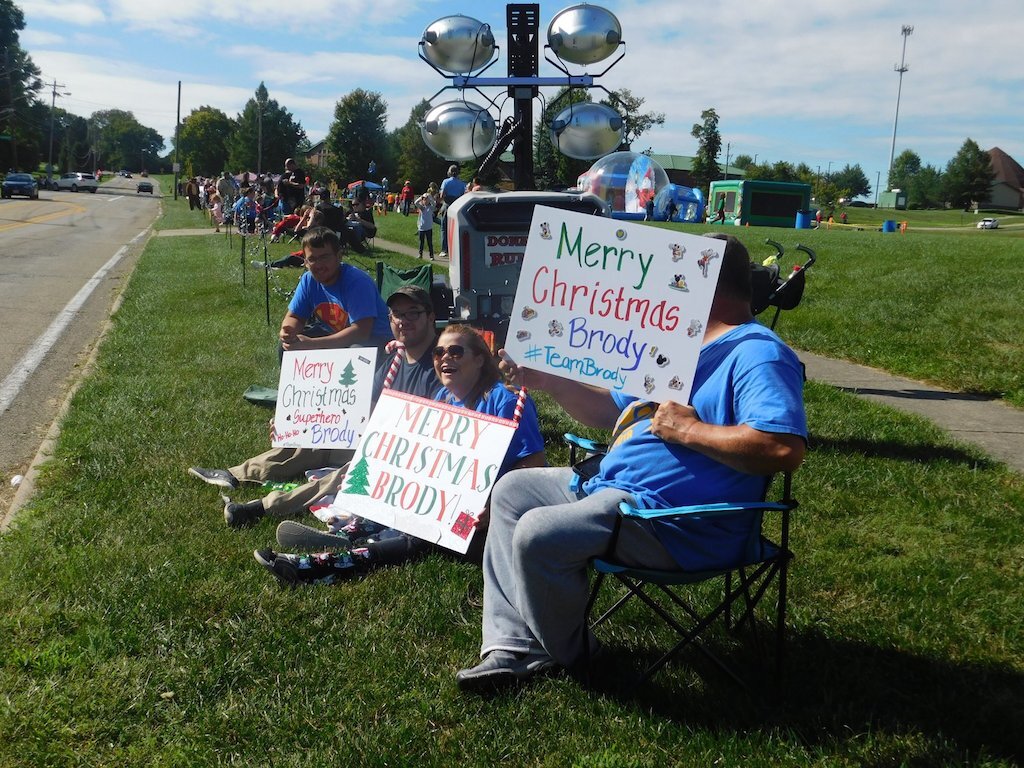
{"type": "Point", "coordinates": [613, 303]}
{"type": "Point", "coordinates": [323, 397]}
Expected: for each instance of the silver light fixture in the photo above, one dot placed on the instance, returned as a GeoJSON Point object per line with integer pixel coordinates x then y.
{"type": "Point", "coordinates": [458, 44]}
{"type": "Point", "coordinates": [586, 131]}
{"type": "Point", "coordinates": [459, 130]}
{"type": "Point", "coordinates": [583, 34]}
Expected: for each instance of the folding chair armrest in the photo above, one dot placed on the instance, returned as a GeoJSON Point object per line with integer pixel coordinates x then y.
{"type": "Point", "coordinates": [585, 444]}
{"type": "Point", "coordinates": [705, 510]}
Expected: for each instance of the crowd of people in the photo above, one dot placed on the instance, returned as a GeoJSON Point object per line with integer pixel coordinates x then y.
{"type": "Point", "coordinates": [745, 421]}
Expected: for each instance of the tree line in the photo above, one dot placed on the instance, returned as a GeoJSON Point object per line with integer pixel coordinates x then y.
{"type": "Point", "coordinates": [966, 178]}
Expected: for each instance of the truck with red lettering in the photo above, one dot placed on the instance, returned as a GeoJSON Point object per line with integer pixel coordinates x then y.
{"type": "Point", "coordinates": [487, 233]}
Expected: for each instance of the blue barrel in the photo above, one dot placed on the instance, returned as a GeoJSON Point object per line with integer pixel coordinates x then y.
{"type": "Point", "coordinates": [803, 219]}
{"type": "Point", "coordinates": [889, 225]}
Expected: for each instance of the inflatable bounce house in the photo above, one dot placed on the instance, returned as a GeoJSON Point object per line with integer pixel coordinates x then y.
{"type": "Point", "coordinates": [628, 180]}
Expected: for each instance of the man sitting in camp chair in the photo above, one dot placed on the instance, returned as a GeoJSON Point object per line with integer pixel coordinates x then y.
{"type": "Point", "coordinates": [746, 421]}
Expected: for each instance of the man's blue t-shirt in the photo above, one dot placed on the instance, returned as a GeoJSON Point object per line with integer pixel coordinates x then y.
{"type": "Point", "coordinates": [451, 188]}
{"type": "Point", "coordinates": [352, 296]}
{"type": "Point", "coordinates": [499, 401]}
{"type": "Point", "coordinates": [747, 376]}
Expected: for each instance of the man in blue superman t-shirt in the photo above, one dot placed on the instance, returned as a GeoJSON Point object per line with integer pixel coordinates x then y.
{"type": "Point", "coordinates": [342, 298]}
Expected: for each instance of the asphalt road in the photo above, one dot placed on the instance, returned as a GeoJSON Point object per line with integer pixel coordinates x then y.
{"type": "Point", "coordinates": [52, 252]}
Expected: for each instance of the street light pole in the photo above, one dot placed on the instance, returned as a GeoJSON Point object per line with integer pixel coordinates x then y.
{"type": "Point", "coordinates": [906, 31]}
{"type": "Point", "coordinates": [878, 180]}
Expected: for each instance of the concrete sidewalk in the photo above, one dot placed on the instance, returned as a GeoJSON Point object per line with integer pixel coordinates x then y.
{"type": "Point", "coordinates": [996, 428]}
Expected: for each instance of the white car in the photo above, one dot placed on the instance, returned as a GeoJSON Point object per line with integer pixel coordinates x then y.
{"type": "Point", "coordinates": [988, 224]}
{"type": "Point", "coordinates": [77, 181]}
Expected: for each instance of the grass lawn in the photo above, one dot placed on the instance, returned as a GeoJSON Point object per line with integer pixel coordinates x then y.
{"type": "Point", "coordinates": [137, 630]}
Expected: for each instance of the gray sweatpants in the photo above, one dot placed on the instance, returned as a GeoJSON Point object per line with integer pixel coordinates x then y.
{"type": "Point", "coordinates": [540, 538]}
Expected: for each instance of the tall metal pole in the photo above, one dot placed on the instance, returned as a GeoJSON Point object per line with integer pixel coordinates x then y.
{"type": "Point", "coordinates": [728, 149]}
{"type": "Point", "coordinates": [906, 31]}
{"type": "Point", "coordinates": [523, 21]}
{"type": "Point", "coordinates": [878, 180]}
{"type": "Point", "coordinates": [49, 159]}
{"type": "Point", "coordinates": [177, 132]}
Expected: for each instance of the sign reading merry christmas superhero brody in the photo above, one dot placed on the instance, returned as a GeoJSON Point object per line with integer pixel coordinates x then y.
{"type": "Point", "coordinates": [425, 468]}
{"type": "Point", "coordinates": [323, 397]}
{"type": "Point", "coordinates": [614, 304]}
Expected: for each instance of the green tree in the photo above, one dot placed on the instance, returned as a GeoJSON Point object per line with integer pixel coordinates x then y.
{"type": "Point", "coordinates": [19, 86]}
{"type": "Point", "coordinates": [743, 162]}
{"type": "Point", "coordinates": [551, 168]}
{"type": "Point", "coordinates": [203, 140]}
{"type": "Point", "coordinates": [634, 122]}
{"type": "Point", "coordinates": [851, 182]}
{"type": "Point", "coordinates": [926, 188]}
{"type": "Point", "coordinates": [118, 140]}
{"type": "Point", "coordinates": [357, 136]}
{"type": "Point", "coordinates": [348, 376]}
{"type": "Point", "coordinates": [281, 135]}
{"type": "Point", "coordinates": [709, 146]}
{"type": "Point", "coordinates": [969, 175]}
{"type": "Point", "coordinates": [904, 167]}
{"type": "Point", "coordinates": [414, 160]}
{"type": "Point", "coordinates": [358, 478]}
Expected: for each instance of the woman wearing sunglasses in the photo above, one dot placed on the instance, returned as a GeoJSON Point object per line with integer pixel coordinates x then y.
{"type": "Point", "coordinates": [470, 378]}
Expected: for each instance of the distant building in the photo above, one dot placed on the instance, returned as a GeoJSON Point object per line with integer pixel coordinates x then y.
{"type": "Point", "coordinates": [317, 155]}
{"type": "Point", "coordinates": [680, 169]}
{"type": "Point", "coordinates": [1007, 190]}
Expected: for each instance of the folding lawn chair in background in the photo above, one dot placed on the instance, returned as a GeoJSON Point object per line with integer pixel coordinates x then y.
{"type": "Point", "coordinates": [390, 279]}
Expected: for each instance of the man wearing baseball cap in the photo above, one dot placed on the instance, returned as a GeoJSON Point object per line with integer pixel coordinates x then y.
{"type": "Point", "coordinates": [411, 313]}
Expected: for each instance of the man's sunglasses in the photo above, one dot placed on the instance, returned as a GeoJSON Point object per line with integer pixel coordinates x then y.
{"type": "Point", "coordinates": [454, 351]}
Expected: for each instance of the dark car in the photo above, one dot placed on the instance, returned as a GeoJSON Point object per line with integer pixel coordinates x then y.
{"type": "Point", "coordinates": [20, 184]}
{"type": "Point", "coordinates": [144, 186]}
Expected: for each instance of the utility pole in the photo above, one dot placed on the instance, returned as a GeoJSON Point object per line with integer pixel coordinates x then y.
{"type": "Point", "coordinates": [906, 31]}
{"type": "Point", "coordinates": [53, 102]}
{"type": "Point", "coordinates": [10, 114]}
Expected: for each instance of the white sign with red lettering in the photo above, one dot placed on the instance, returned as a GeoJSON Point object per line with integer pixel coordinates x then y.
{"type": "Point", "coordinates": [504, 250]}
{"type": "Point", "coordinates": [425, 468]}
{"type": "Point", "coordinates": [613, 303]}
{"type": "Point", "coordinates": [323, 397]}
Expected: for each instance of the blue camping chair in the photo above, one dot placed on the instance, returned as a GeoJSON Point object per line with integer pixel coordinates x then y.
{"type": "Point", "coordinates": [745, 584]}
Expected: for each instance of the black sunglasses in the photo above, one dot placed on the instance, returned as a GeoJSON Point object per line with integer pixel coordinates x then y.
{"type": "Point", "coordinates": [454, 351]}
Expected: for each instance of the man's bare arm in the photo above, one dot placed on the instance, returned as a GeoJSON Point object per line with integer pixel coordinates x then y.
{"type": "Point", "coordinates": [741, 447]}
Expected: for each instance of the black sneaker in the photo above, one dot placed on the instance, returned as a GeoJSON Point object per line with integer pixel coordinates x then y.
{"type": "Point", "coordinates": [293, 570]}
{"type": "Point", "coordinates": [237, 515]}
{"type": "Point", "coordinates": [219, 477]}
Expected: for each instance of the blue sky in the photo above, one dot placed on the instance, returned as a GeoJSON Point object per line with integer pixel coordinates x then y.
{"type": "Point", "coordinates": [792, 80]}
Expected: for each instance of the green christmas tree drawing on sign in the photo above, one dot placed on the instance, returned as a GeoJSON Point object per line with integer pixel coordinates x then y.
{"type": "Point", "coordinates": [348, 376]}
{"type": "Point", "coordinates": [358, 479]}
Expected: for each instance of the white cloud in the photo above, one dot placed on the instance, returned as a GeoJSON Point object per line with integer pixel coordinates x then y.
{"type": "Point", "coordinates": [78, 14]}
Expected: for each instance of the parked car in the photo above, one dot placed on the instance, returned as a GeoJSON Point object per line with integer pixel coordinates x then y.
{"type": "Point", "coordinates": [77, 181]}
{"type": "Point", "coordinates": [20, 184]}
{"type": "Point", "coordinates": [988, 224]}
{"type": "Point", "coordinates": [144, 186]}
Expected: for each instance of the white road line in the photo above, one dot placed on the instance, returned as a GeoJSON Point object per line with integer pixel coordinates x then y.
{"type": "Point", "coordinates": [112, 199]}
{"type": "Point", "coordinates": [11, 386]}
